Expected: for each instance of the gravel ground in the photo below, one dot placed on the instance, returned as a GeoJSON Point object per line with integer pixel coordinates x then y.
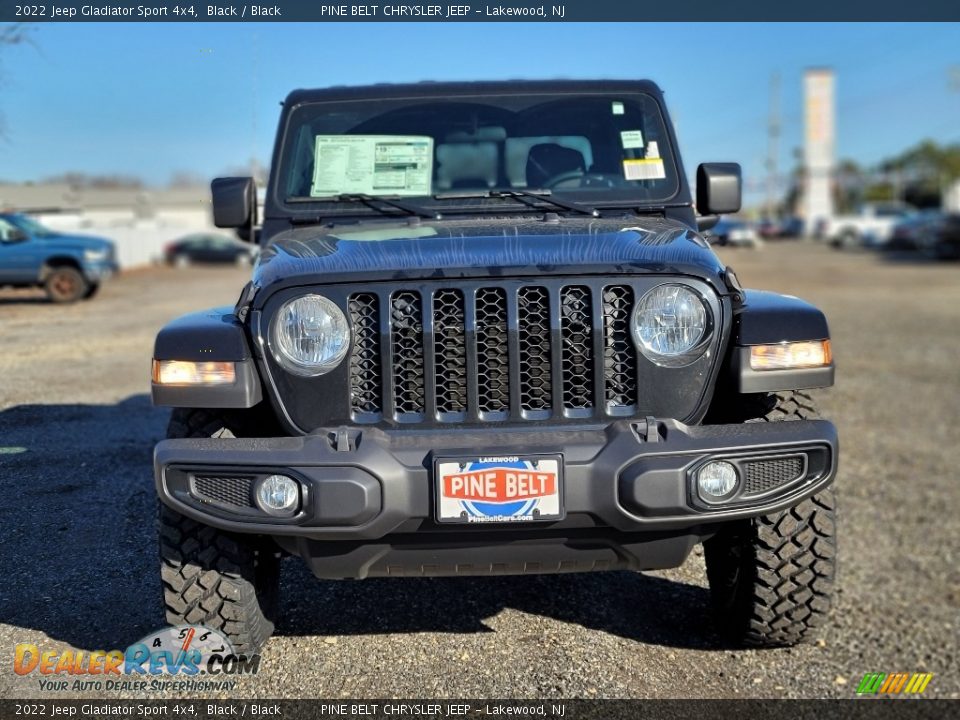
{"type": "Point", "coordinates": [79, 558]}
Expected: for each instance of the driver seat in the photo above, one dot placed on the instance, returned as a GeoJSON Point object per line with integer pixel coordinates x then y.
{"type": "Point", "coordinates": [548, 160]}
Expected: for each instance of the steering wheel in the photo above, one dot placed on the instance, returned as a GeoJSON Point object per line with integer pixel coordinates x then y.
{"type": "Point", "coordinates": [585, 180]}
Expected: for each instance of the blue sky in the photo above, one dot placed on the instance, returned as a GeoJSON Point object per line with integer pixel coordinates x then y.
{"type": "Point", "coordinates": [154, 99]}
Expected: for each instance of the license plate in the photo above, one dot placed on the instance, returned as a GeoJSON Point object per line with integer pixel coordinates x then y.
{"type": "Point", "coordinates": [494, 489]}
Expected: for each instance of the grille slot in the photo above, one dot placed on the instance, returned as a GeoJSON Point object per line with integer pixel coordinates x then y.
{"type": "Point", "coordinates": [233, 491]}
{"type": "Point", "coordinates": [619, 354]}
{"type": "Point", "coordinates": [450, 351]}
{"type": "Point", "coordinates": [576, 335]}
{"type": "Point", "coordinates": [366, 385]}
{"type": "Point", "coordinates": [493, 357]}
{"type": "Point", "coordinates": [406, 340]}
{"type": "Point", "coordinates": [533, 308]}
{"type": "Point", "coordinates": [764, 475]}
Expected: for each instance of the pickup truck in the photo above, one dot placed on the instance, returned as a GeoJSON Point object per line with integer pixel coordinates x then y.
{"type": "Point", "coordinates": [68, 267]}
{"type": "Point", "coordinates": [485, 336]}
{"type": "Point", "coordinates": [872, 225]}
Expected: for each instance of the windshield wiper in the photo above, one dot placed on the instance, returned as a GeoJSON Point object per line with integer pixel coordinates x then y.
{"type": "Point", "coordinates": [374, 202]}
{"type": "Point", "coordinates": [531, 198]}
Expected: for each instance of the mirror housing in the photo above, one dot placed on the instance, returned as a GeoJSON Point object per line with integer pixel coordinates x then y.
{"type": "Point", "coordinates": [719, 188]}
{"type": "Point", "coordinates": [234, 202]}
{"type": "Point", "coordinates": [16, 235]}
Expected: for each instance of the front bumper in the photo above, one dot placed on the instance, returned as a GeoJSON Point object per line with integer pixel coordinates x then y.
{"type": "Point", "coordinates": [100, 270]}
{"type": "Point", "coordinates": [367, 494]}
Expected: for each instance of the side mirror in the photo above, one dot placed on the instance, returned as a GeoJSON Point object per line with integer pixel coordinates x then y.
{"type": "Point", "coordinates": [719, 188]}
{"type": "Point", "coordinates": [234, 202]}
{"type": "Point", "coordinates": [15, 235]}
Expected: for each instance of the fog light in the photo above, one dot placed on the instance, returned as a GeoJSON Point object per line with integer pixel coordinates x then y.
{"type": "Point", "coordinates": [716, 480]}
{"type": "Point", "coordinates": [278, 495]}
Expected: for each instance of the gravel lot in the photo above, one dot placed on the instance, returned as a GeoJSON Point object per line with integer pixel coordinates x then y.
{"type": "Point", "coordinates": [79, 559]}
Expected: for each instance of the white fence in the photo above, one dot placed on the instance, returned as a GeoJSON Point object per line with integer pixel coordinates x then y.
{"type": "Point", "coordinates": [139, 242]}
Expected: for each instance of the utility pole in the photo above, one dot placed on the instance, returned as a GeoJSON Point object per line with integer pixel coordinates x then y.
{"type": "Point", "coordinates": [254, 168]}
{"type": "Point", "coordinates": [773, 145]}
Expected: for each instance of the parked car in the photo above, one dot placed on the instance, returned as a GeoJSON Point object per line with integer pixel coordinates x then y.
{"type": "Point", "coordinates": [735, 233]}
{"type": "Point", "coordinates": [208, 248]}
{"type": "Point", "coordinates": [872, 224]}
{"type": "Point", "coordinates": [432, 375]}
{"type": "Point", "coordinates": [907, 233]}
{"type": "Point", "coordinates": [768, 228]}
{"type": "Point", "coordinates": [69, 267]}
{"type": "Point", "coordinates": [791, 227]}
{"type": "Point", "coordinates": [940, 238]}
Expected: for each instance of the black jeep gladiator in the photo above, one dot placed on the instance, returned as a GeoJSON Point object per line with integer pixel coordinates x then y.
{"type": "Point", "coordinates": [485, 336]}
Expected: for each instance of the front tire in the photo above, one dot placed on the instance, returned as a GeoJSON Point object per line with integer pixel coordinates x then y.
{"type": "Point", "coordinates": [224, 581]}
{"type": "Point", "coordinates": [771, 577]}
{"type": "Point", "coordinates": [66, 284]}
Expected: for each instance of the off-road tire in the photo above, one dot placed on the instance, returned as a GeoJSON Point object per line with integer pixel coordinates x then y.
{"type": "Point", "coordinates": [771, 577]}
{"type": "Point", "coordinates": [224, 581]}
{"type": "Point", "coordinates": [66, 284]}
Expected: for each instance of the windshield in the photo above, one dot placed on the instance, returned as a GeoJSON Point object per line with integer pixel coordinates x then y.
{"type": "Point", "coordinates": [592, 148]}
{"type": "Point", "coordinates": [30, 226]}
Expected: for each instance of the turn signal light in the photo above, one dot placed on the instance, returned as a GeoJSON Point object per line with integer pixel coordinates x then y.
{"type": "Point", "coordinates": [183, 372]}
{"type": "Point", "coordinates": [786, 356]}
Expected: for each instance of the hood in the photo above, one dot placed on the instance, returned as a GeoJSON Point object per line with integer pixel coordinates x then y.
{"type": "Point", "coordinates": [77, 242]}
{"type": "Point", "coordinates": [486, 247]}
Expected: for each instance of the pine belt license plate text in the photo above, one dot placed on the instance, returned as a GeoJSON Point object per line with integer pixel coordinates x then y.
{"type": "Point", "coordinates": [497, 489]}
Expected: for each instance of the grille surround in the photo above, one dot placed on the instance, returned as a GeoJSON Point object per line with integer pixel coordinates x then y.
{"type": "Point", "coordinates": [306, 405]}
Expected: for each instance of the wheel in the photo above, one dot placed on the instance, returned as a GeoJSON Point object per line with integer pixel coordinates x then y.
{"type": "Point", "coordinates": [66, 285]}
{"type": "Point", "coordinates": [225, 581]}
{"type": "Point", "coordinates": [771, 577]}
{"type": "Point", "coordinates": [181, 261]}
{"type": "Point", "coordinates": [243, 260]}
{"type": "Point", "coordinates": [849, 239]}
{"type": "Point", "coordinates": [91, 291]}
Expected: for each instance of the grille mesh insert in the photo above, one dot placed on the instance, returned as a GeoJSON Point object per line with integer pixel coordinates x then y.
{"type": "Point", "coordinates": [406, 338]}
{"type": "Point", "coordinates": [765, 475]}
{"type": "Point", "coordinates": [493, 358]}
{"type": "Point", "coordinates": [450, 351]}
{"type": "Point", "coordinates": [365, 376]}
{"type": "Point", "coordinates": [576, 333]}
{"type": "Point", "coordinates": [235, 491]}
{"type": "Point", "coordinates": [619, 355]}
{"type": "Point", "coordinates": [533, 305]}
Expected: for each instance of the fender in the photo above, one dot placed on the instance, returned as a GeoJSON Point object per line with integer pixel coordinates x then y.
{"type": "Point", "coordinates": [767, 318]}
{"type": "Point", "coordinates": [214, 335]}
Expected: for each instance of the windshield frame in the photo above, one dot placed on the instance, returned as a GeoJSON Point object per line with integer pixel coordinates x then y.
{"type": "Point", "coordinates": [29, 225]}
{"type": "Point", "coordinates": [279, 206]}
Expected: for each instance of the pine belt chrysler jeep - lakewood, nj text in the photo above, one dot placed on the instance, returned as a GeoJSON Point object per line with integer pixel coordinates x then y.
{"type": "Point", "coordinates": [484, 335]}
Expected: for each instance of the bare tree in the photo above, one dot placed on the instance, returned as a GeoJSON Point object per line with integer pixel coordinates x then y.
{"type": "Point", "coordinates": [11, 34]}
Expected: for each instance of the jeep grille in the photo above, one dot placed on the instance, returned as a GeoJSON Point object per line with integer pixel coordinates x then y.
{"type": "Point", "coordinates": [521, 351]}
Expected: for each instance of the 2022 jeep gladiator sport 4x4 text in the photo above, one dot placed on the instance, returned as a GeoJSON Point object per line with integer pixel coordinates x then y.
{"type": "Point", "coordinates": [484, 336]}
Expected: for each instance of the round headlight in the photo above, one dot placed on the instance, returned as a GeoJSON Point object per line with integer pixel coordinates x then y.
{"type": "Point", "coordinates": [670, 325]}
{"type": "Point", "coordinates": [310, 335]}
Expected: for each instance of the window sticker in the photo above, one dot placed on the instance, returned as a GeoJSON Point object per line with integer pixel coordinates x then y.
{"type": "Point", "coordinates": [617, 108]}
{"type": "Point", "coordinates": [372, 164]}
{"type": "Point", "coordinates": [631, 139]}
{"type": "Point", "coordinates": [653, 150]}
{"type": "Point", "coordinates": [646, 169]}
